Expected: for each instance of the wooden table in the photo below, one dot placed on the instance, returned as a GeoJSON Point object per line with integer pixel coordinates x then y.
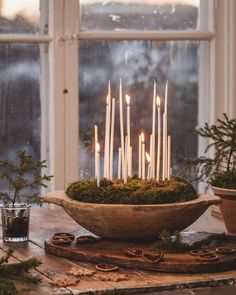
{"type": "Point", "coordinates": [45, 222]}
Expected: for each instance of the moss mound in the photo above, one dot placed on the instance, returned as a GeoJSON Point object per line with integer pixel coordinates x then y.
{"type": "Point", "coordinates": [136, 191]}
{"type": "Point", "coordinates": [226, 179]}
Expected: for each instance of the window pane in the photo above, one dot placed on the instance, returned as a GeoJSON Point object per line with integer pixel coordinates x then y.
{"type": "Point", "coordinates": [19, 16]}
{"type": "Point", "coordinates": [20, 105]}
{"type": "Point", "coordinates": [138, 63]}
{"type": "Point", "coordinates": [139, 15]}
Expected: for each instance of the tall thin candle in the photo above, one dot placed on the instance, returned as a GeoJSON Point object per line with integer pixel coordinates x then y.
{"type": "Point", "coordinates": [112, 137]}
{"type": "Point", "coordinates": [164, 149]}
{"type": "Point", "coordinates": [98, 164]}
{"type": "Point", "coordinates": [166, 129]}
{"type": "Point", "coordinates": [143, 156]}
{"type": "Point", "coordinates": [152, 148]}
{"type": "Point", "coordinates": [127, 97]}
{"type": "Point", "coordinates": [126, 156]}
{"type": "Point", "coordinates": [158, 138]}
{"type": "Point", "coordinates": [95, 147]}
{"type": "Point", "coordinates": [124, 171]}
{"type": "Point", "coordinates": [149, 165]}
{"type": "Point", "coordinates": [169, 157]}
{"type": "Point", "coordinates": [119, 164]}
{"type": "Point", "coordinates": [107, 132]}
{"type": "Point", "coordinates": [140, 156]}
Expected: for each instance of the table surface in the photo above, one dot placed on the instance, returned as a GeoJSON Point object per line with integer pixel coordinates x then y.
{"type": "Point", "coordinates": [45, 222]}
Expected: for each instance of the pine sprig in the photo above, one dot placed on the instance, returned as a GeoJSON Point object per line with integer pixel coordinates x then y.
{"type": "Point", "coordinates": [174, 241]}
{"type": "Point", "coordinates": [16, 272]}
{"type": "Point", "coordinates": [26, 174]}
{"type": "Point", "coordinates": [222, 138]}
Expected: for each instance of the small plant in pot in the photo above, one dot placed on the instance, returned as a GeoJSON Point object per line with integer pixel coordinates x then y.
{"type": "Point", "coordinates": [21, 181]}
{"type": "Point", "coordinates": [220, 170]}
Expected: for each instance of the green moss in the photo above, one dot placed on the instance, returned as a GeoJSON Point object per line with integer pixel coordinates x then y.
{"type": "Point", "coordinates": [225, 179]}
{"type": "Point", "coordinates": [136, 191]}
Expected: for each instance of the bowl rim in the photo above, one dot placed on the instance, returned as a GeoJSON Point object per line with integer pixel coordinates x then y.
{"type": "Point", "coordinates": [211, 199]}
{"type": "Point", "coordinates": [223, 190]}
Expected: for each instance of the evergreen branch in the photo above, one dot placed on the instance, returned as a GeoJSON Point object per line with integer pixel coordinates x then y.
{"type": "Point", "coordinates": [7, 287]}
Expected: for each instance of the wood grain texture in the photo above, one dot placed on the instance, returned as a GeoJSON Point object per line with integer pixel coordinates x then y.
{"type": "Point", "coordinates": [45, 222]}
{"type": "Point", "coordinates": [106, 251]}
{"type": "Point", "coordinates": [122, 221]}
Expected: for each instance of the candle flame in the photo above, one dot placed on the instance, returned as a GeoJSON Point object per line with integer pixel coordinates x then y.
{"type": "Point", "coordinates": [158, 100]}
{"type": "Point", "coordinates": [127, 97]}
{"type": "Point", "coordinates": [148, 157]}
{"type": "Point", "coordinates": [142, 137]}
{"type": "Point", "coordinates": [98, 147]}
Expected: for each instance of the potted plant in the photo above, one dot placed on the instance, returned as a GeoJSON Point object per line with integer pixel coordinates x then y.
{"type": "Point", "coordinates": [220, 170]}
{"type": "Point", "coordinates": [20, 183]}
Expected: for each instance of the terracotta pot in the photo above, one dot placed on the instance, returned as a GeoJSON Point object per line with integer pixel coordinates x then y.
{"type": "Point", "coordinates": [228, 207]}
{"type": "Point", "coordinates": [118, 221]}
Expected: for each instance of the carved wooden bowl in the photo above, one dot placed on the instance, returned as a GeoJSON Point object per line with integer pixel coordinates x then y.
{"type": "Point", "coordinates": [132, 222]}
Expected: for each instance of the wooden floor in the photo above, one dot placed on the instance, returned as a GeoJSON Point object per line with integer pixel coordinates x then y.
{"type": "Point", "coordinates": [45, 222]}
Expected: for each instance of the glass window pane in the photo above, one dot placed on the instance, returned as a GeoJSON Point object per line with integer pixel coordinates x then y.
{"type": "Point", "coordinates": [139, 15]}
{"type": "Point", "coordinates": [19, 16]}
{"type": "Point", "coordinates": [138, 63]}
{"type": "Point", "coordinates": [20, 104]}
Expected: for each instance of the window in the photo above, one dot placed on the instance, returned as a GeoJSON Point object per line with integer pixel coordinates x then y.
{"type": "Point", "coordinates": [23, 64]}
{"type": "Point", "coordinates": [173, 56]}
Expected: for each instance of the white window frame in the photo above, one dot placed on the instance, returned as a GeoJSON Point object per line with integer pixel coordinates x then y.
{"type": "Point", "coordinates": [63, 38]}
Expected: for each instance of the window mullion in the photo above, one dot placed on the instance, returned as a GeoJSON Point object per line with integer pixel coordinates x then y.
{"type": "Point", "coordinates": [146, 35]}
{"type": "Point", "coordinates": [56, 94]}
{"type": "Point", "coordinates": [71, 88]}
{"type": "Point", "coordinates": [24, 38]}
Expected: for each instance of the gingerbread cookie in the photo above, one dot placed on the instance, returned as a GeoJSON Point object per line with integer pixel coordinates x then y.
{"type": "Point", "coordinates": [64, 282]}
{"type": "Point", "coordinates": [77, 272]}
{"type": "Point", "coordinates": [113, 277]}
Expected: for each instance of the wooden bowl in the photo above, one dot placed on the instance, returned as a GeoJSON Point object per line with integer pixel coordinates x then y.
{"type": "Point", "coordinates": [132, 222]}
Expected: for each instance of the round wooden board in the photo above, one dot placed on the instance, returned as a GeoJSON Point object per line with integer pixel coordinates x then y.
{"type": "Point", "coordinates": [108, 251]}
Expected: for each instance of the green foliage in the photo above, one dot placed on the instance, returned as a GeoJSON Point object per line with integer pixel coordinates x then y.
{"type": "Point", "coordinates": [135, 191]}
{"type": "Point", "coordinates": [222, 137]}
{"type": "Point", "coordinates": [225, 179]}
{"type": "Point", "coordinates": [16, 272]}
{"type": "Point", "coordinates": [26, 174]}
{"type": "Point", "coordinates": [174, 241]}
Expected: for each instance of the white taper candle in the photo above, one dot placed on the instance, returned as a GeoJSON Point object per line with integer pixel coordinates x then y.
{"type": "Point", "coordinates": [107, 134]}
{"type": "Point", "coordinates": [164, 149]}
{"type": "Point", "coordinates": [149, 165]}
{"type": "Point", "coordinates": [158, 138]}
{"type": "Point", "coordinates": [124, 171]}
{"type": "Point", "coordinates": [153, 148]}
{"type": "Point", "coordinates": [112, 137]}
{"type": "Point", "coordinates": [139, 156]}
{"type": "Point", "coordinates": [98, 164]}
{"type": "Point", "coordinates": [95, 147]}
{"type": "Point", "coordinates": [169, 157]}
{"type": "Point", "coordinates": [143, 157]}
{"type": "Point", "coordinates": [119, 164]}
{"type": "Point", "coordinates": [127, 97]}
{"type": "Point", "coordinates": [126, 157]}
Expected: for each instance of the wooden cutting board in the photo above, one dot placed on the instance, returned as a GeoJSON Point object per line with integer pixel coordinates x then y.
{"type": "Point", "coordinates": [109, 251]}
